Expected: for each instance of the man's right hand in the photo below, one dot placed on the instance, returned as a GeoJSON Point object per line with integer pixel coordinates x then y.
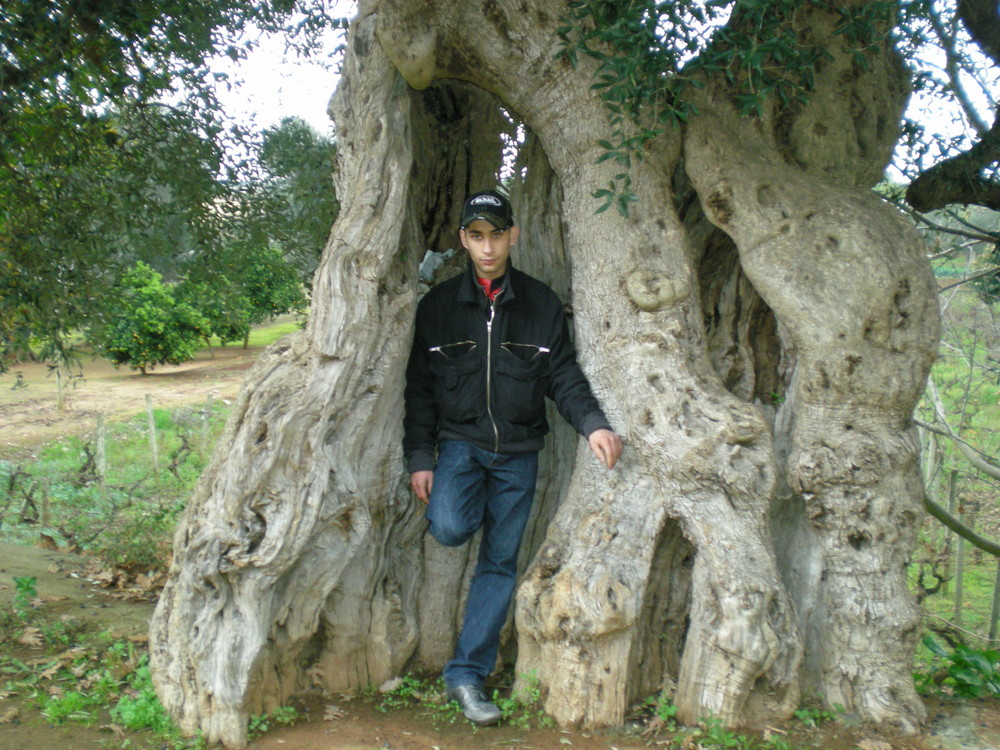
{"type": "Point", "coordinates": [421, 483]}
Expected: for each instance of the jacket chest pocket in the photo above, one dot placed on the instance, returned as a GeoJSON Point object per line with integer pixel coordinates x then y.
{"type": "Point", "coordinates": [459, 390]}
{"type": "Point", "coordinates": [522, 379]}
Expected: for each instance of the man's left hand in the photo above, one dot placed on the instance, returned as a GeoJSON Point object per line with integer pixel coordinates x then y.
{"type": "Point", "coordinates": [606, 445]}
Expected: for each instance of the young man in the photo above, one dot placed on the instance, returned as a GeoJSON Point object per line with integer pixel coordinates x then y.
{"type": "Point", "coordinates": [489, 345]}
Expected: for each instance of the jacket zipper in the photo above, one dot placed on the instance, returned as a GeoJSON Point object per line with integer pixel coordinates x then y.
{"type": "Point", "coordinates": [489, 373]}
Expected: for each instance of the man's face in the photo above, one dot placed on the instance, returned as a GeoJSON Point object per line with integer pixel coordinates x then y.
{"type": "Point", "coordinates": [488, 247]}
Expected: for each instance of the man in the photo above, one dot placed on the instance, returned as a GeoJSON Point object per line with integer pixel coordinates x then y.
{"type": "Point", "coordinates": [489, 345]}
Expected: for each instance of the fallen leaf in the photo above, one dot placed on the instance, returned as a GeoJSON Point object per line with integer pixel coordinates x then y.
{"type": "Point", "coordinates": [9, 716]}
{"type": "Point", "coordinates": [333, 712]}
{"type": "Point", "coordinates": [47, 542]}
{"type": "Point", "coordinates": [32, 637]}
{"type": "Point", "coordinates": [874, 745]}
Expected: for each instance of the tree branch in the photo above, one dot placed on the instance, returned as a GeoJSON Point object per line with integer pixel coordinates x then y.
{"type": "Point", "coordinates": [976, 235]}
{"type": "Point", "coordinates": [954, 63]}
{"type": "Point", "coordinates": [972, 277]}
{"type": "Point", "coordinates": [973, 456]}
{"type": "Point", "coordinates": [986, 545]}
{"type": "Point", "coordinates": [959, 179]}
{"type": "Point", "coordinates": [982, 19]}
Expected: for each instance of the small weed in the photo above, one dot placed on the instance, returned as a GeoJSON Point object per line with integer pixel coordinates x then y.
{"type": "Point", "coordinates": [664, 710]}
{"type": "Point", "coordinates": [141, 709]}
{"type": "Point", "coordinates": [773, 742]}
{"type": "Point", "coordinates": [262, 723]}
{"type": "Point", "coordinates": [403, 692]}
{"type": "Point", "coordinates": [813, 716]}
{"type": "Point", "coordinates": [713, 734]}
{"type": "Point", "coordinates": [410, 691]}
{"type": "Point", "coordinates": [285, 715]}
{"type": "Point", "coordinates": [72, 706]}
{"type": "Point", "coordinates": [523, 709]}
{"type": "Point", "coordinates": [24, 593]}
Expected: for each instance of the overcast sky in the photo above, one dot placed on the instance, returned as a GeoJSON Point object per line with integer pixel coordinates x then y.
{"type": "Point", "coordinates": [277, 84]}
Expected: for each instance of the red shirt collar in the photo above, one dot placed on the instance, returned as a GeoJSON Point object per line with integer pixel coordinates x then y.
{"type": "Point", "coordinates": [491, 287]}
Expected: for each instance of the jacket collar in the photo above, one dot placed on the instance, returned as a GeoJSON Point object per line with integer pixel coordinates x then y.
{"type": "Point", "coordinates": [471, 292]}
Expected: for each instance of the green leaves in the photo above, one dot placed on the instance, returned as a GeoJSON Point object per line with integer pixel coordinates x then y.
{"type": "Point", "coordinates": [971, 673]}
{"type": "Point", "coordinates": [618, 194]}
{"type": "Point", "coordinates": [95, 173]}
{"type": "Point", "coordinates": [148, 326]}
{"type": "Point", "coordinates": [650, 52]}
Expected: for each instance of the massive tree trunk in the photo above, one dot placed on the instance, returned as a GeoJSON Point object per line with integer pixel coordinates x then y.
{"type": "Point", "coordinates": [758, 329]}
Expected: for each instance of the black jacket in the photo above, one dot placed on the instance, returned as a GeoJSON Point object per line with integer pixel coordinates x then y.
{"type": "Point", "coordinates": [480, 371]}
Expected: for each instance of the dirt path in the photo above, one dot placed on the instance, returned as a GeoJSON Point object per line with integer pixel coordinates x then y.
{"type": "Point", "coordinates": [29, 394]}
{"type": "Point", "coordinates": [29, 417]}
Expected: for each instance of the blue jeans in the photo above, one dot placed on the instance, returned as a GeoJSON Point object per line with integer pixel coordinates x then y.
{"type": "Point", "coordinates": [476, 488]}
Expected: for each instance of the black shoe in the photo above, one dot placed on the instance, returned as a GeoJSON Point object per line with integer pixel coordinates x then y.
{"type": "Point", "coordinates": [475, 705]}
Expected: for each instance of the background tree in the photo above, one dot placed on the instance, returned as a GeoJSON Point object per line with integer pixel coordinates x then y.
{"type": "Point", "coordinates": [224, 305]}
{"type": "Point", "coordinates": [300, 204]}
{"type": "Point", "coordinates": [147, 325]}
{"type": "Point", "coordinates": [253, 284]}
{"type": "Point", "coordinates": [96, 169]}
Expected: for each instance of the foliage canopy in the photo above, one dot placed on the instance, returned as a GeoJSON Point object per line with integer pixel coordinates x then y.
{"type": "Point", "coordinates": [112, 150]}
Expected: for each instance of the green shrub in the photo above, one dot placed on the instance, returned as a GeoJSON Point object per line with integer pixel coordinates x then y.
{"type": "Point", "coordinates": [969, 673]}
{"type": "Point", "coordinates": [148, 326]}
{"type": "Point", "coordinates": [143, 709]}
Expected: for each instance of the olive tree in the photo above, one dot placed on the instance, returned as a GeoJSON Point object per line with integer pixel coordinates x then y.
{"type": "Point", "coordinates": [756, 322]}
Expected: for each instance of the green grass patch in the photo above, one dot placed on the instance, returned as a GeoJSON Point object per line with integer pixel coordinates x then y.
{"type": "Point", "coordinates": [80, 677]}
{"type": "Point", "coordinates": [127, 515]}
{"type": "Point", "coordinates": [267, 334]}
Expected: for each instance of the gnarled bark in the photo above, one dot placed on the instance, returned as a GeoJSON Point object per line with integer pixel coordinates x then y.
{"type": "Point", "coordinates": [761, 370]}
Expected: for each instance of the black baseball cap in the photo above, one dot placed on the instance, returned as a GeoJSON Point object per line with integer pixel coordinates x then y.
{"type": "Point", "coordinates": [488, 205]}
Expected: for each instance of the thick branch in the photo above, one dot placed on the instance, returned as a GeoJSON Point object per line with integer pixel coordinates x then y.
{"type": "Point", "coordinates": [982, 19]}
{"type": "Point", "coordinates": [960, 528]}
{"type": "Point", "coordinates": [959, 179]}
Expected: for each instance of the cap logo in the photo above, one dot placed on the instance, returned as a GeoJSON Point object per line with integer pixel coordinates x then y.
{"type": "Point", "coordinates": [486, 200]}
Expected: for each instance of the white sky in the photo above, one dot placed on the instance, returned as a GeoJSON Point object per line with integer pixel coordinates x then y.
{"type": "Point", "coordinates": [273, 83]}
{"type": "Point", "coordinates": [276, 86]}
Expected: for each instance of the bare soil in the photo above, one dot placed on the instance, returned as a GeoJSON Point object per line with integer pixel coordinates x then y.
{"type": "Point", "coordinates": [29, 417]}
{"type": "Point", "coordinates": [29, 394]}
